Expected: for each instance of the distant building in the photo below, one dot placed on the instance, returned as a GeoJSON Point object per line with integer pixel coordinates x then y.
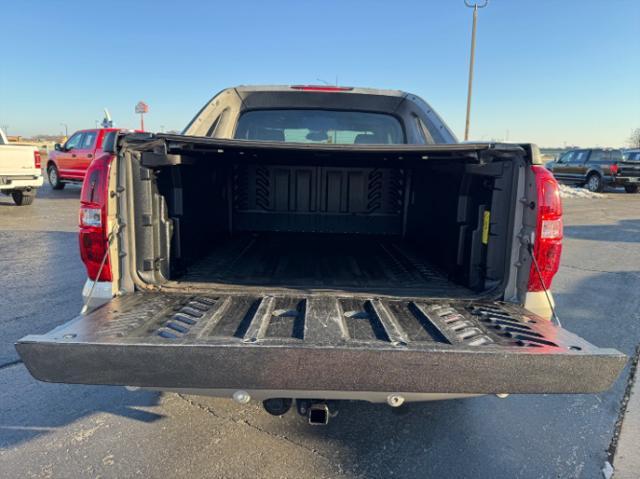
{"type": "Point", "coordinates": [14, 138]}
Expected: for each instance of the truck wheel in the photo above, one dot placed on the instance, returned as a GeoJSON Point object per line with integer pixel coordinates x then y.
{"type": "Point", "coordinates": [594, 183]}
{"type": "Point", "coordinates": [23, 197]}
{"type": "Point", "coordinates": [54, 178]}
{"type": "Point", "coordinates": [631, 188]}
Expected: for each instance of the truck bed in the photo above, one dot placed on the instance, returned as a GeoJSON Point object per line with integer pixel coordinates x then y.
{"type": "Point", "coordinates": [309, 311]}
{"type": "Point", "coordinates": [382, 265]}
{"type": "Point", "coordinates": [319, 343]}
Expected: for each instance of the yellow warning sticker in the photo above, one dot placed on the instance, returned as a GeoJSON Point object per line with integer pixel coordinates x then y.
{"type": "Point", "coordinates": [486, 221]}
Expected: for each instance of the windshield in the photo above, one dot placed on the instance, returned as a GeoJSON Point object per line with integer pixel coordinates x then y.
{"type": "Point", "coordinates": [320, 126]}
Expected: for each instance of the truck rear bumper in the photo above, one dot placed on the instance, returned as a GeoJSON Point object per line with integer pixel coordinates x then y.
{"type": "Point", "coordinates": [18, 182]}
{"type": "Point", "coordinates": [626, 180]}
{"type": "Point", "coordinates": [319, 343]}
{"type": "Point", "coordinates": [328, 394]}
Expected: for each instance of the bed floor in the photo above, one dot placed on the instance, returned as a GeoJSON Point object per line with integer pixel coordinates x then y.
{"type": "Point", "coordinates": [333, 262]}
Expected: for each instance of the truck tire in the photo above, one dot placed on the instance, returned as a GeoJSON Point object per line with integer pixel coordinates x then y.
{"type": "Point", "coordinates": [631, 188]}
{"type": "Point", "coordinates": [54, 178]}
{"type": "Point", "coordinates": [23, 197]}
{"type": "Point", "coordinates": [594, 183]}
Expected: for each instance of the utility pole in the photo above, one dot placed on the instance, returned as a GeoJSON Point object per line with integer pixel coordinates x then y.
{"type": "Point", "coordinates": [475, 7]}
{"type": "Point", "coordinates": [66, 129]}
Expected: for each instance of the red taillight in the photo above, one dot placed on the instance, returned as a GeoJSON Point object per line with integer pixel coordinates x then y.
{"type": "Point", "coordinates": [37, 160]}
{"type": "Point", "coordinates": [547, 245]}
{"type": "Point", "coordinates": [93, 219]}
{"type": "Point", "coordinates": [614, 169]}
{"type": "Point", "coordinates": [321, 88]}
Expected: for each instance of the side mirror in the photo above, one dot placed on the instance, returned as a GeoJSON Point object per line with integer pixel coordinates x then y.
{"type": "Point", "coordinates": [57, 147]}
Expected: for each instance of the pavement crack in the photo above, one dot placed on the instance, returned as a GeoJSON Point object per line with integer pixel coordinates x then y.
{"type": "Point", "coordinates": [10, 364]}
{"type": "Point", "coordinates": [595, 270]}
{"type": "Point", "coordinates": [313, 451]}
{"type": "Point", "coordinates": [244, 422]}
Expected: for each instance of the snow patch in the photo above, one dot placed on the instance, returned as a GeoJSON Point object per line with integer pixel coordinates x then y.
{"type": "Point", "coordinates": [573, 192]}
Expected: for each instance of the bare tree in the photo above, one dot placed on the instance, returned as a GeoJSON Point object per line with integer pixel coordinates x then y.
{"type": "Point", "coordinates": [634, 139]}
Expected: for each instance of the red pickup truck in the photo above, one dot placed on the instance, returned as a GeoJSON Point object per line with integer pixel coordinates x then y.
{"type": "Point", "coordinates": [69, 162]}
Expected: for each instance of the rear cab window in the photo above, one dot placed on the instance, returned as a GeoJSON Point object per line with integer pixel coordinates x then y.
{"type": "Point", "coordinates": [605, 156]}
{"type": "Point", "coordinates": [598, 156]}
{"type": "Point", "coordinates": [320, 126]}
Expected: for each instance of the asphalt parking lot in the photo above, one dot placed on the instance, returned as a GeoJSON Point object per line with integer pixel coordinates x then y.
{"type": "Point", "coordinates": [51, 430]}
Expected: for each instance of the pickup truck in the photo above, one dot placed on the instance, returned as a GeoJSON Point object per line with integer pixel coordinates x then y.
{"type": "Point", "coordinates": [596, 168]}
{"type": "Point", "coordinates": [20, 171]}
{"type": "Point", "coordinates": [316, 243]}
{"type": "Point", "coordinates": [632, 156]}
{"type": "Point", "coordinates": [69, 162]}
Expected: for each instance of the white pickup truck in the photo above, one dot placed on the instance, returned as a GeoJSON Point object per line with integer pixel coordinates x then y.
{"type": "Point", "coordinates": [20, 171]}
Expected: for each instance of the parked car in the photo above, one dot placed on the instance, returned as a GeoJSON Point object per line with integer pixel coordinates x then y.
{"type": "Point", "coordinates": [596, 168]}
{"type": "Point", "coordinates": [69, 162]}
{"type": "Point", "coordinates": [20, 171]}
{"type": "Point", "coordinates": [317, 243]}
{"type": "Point", "coordinates": [632, 155]}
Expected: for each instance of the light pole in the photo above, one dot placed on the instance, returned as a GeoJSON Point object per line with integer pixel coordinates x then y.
{"type": "Point", "coordinates": [66, 129]}
{"type": "Point", "coordinates": [475, 7]}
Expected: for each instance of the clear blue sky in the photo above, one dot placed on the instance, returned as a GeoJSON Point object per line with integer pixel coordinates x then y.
{"type": "Point", "coordinates": [547, 71]}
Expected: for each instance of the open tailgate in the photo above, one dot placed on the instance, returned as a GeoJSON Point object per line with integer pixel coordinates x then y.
{"type": "Point", "coordinates": [319, 343]}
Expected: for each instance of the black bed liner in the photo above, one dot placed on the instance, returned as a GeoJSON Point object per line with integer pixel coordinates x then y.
{"type": "Point", "coordinates": [319, 342]}
{"type": "Point", "coordinates": [378, 265]}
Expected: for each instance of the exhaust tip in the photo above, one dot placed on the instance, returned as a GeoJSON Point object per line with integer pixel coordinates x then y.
{"type": "Point", "coordinates": [318, 414]}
